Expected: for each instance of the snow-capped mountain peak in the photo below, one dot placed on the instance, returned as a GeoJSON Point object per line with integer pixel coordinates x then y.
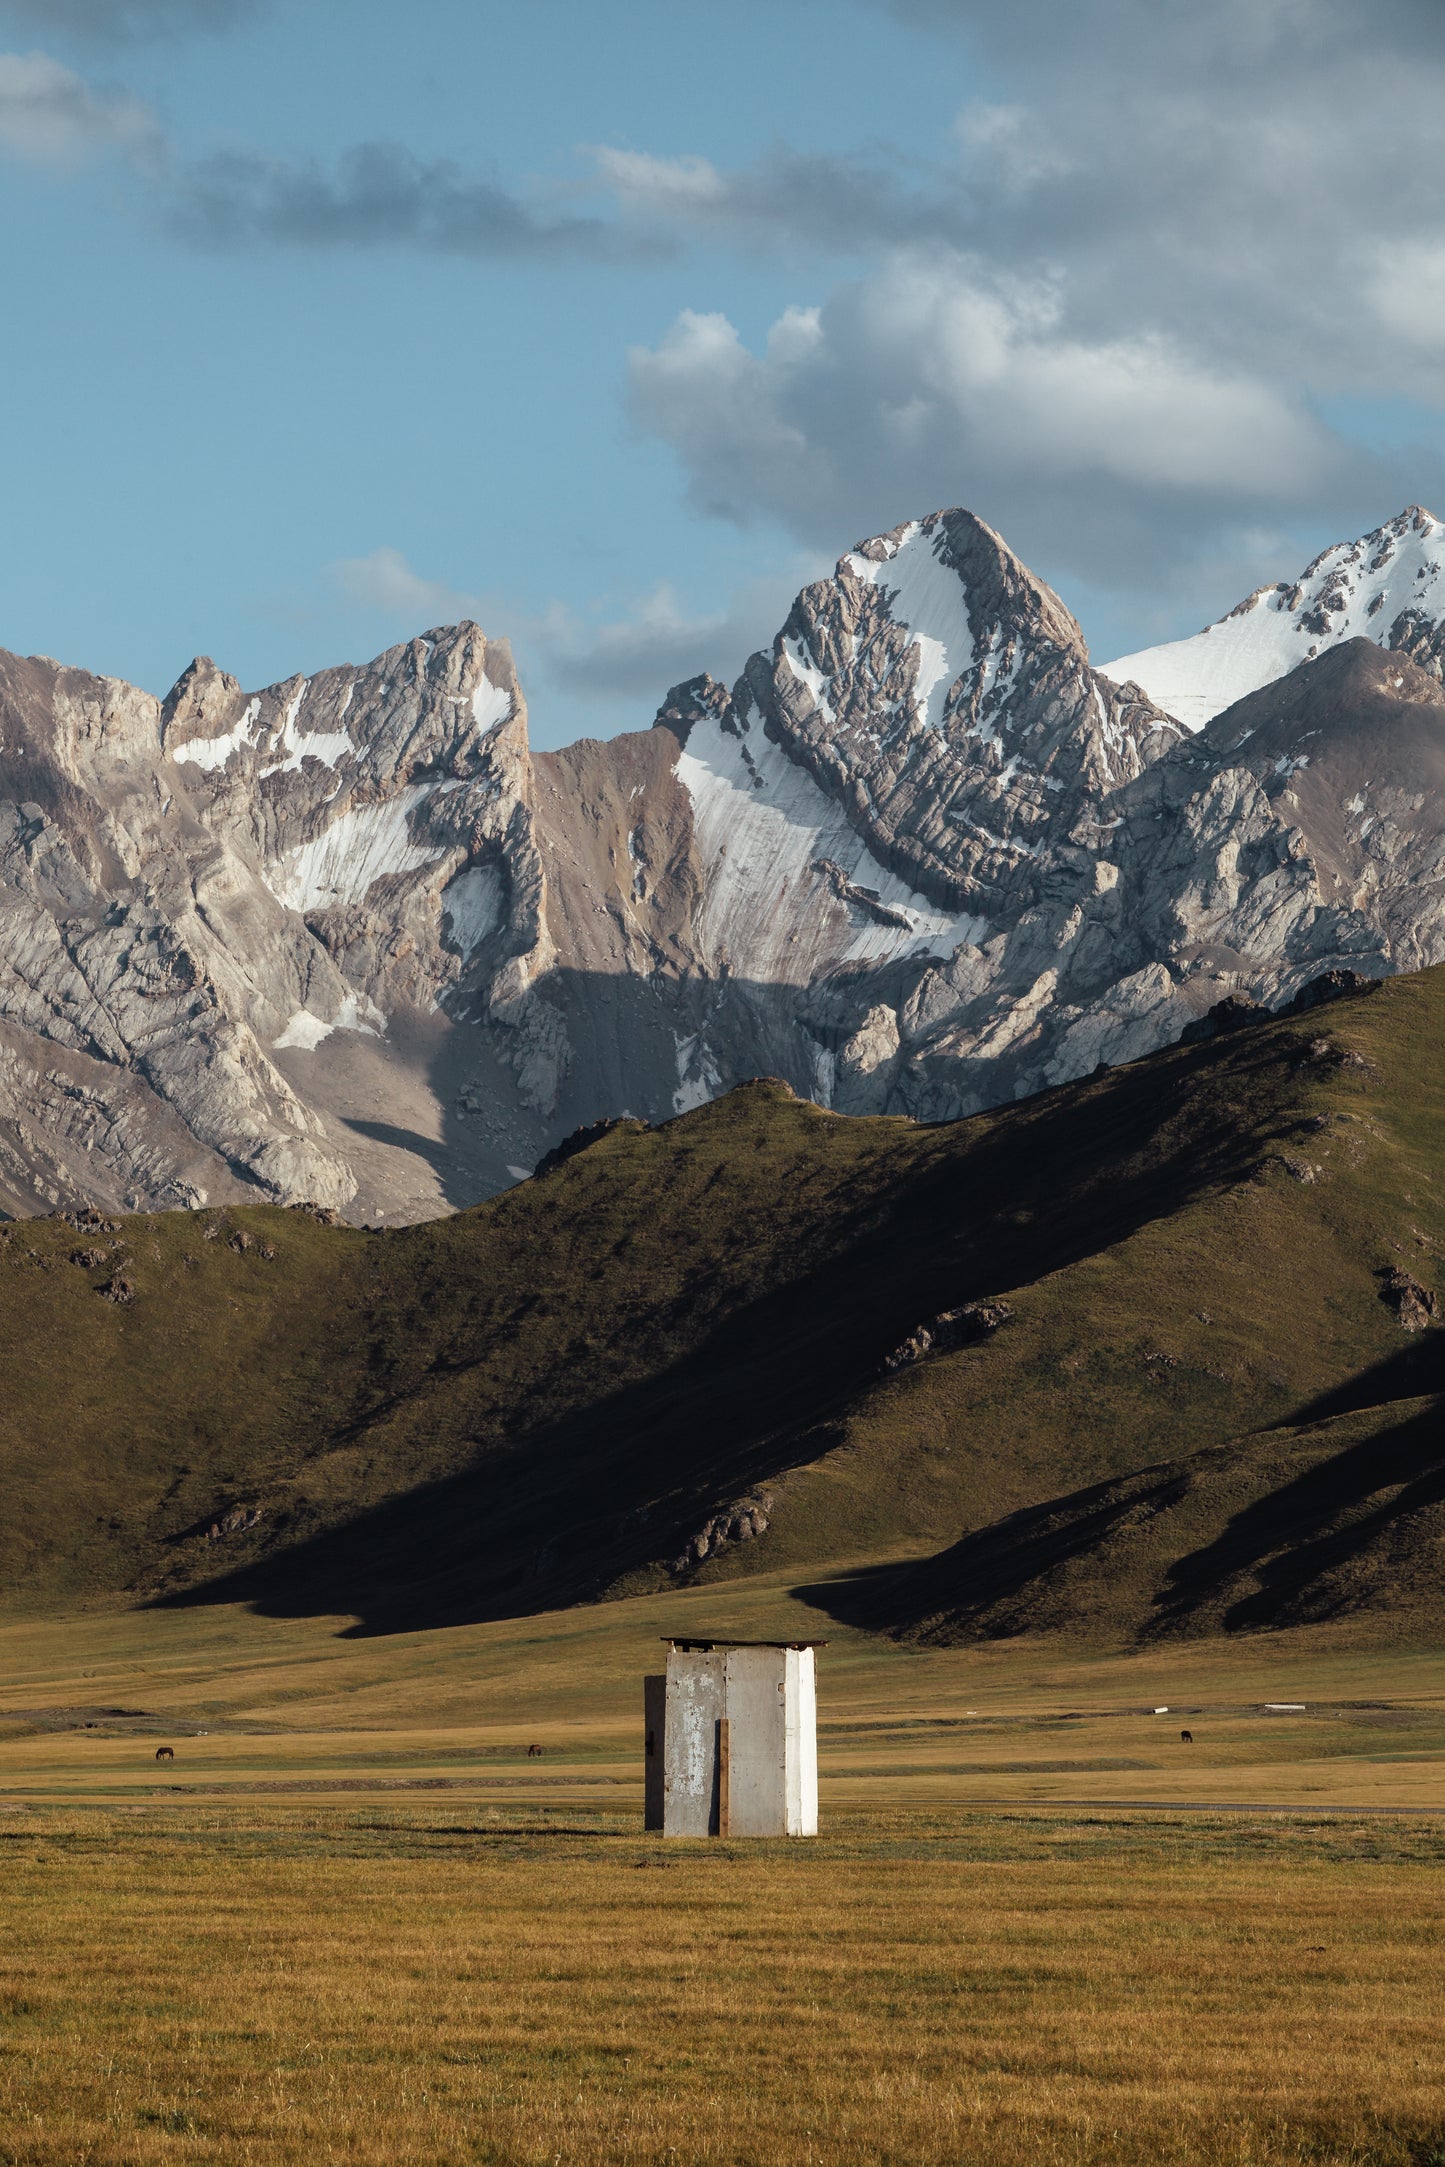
{"type": "Point", "coordinates": [1389, 587]}
{"type": "Point", "coordinates": [348, 939]}
{"type": "Point", "coordinates": [943, 694]}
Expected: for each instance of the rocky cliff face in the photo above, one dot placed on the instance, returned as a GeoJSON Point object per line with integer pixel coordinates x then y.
{"type": "Point", "coordinates": [197, 893]}
{"type": "Point", "coordinates": [944, 697]}
{"type": "Point", "coordinates": [347, 939]}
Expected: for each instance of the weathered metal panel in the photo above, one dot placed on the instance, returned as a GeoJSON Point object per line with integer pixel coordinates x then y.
{"type": "Point", "coordinates": [801, 1701]}
{"type": "Point", "coordinates": [654, 1717]}
{"type": "Point", "coordinates": [757, 1724]}
{"type": "Point", "coordinates": [696, 1688]}
{"type": "Point", "coordinates": [733, 1743]}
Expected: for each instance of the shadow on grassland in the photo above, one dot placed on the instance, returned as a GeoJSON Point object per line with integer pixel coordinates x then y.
{"type": "Point", "coordinates": [787, 1332]}
{"type": "Point", "coordinates": [1293, 1527]}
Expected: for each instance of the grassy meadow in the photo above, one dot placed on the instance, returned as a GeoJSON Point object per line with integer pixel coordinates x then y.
{"type": "Point", "coordinates": [354, 1921]}
{"type": "Point", "coordinates": [912, 1987]}
{"type": "Point", "coordinates": [310, 1509]}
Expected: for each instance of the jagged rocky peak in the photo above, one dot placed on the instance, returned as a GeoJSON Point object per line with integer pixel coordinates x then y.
{"type": "Point", "coordinates": [425, 704]}
{"type": "Point", "coordinates": [203, 891]}
{"type": "Point", "coordinates": [944, 696]}
{"type": "Point", "coordinates": [68, 723]}
{"type": "Point", "coordinates": [699, 699]}
{"type": "Point", "coordinates": [199, 702]}
{"type": "Point", "coordinates": [1387, 587]}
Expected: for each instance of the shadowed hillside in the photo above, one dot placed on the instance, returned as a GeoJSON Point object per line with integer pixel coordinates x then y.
{"type": "Point", "coordinates": [664, 1359]}
{"type": "Point", "coordinates": [1342, 1519]}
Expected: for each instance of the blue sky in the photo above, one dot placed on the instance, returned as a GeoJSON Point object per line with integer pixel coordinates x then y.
{"type": "Point", "coordinates": [612, 326]}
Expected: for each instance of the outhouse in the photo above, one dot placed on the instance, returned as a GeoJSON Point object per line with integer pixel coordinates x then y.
{"type": "Point", "coordinates": [732, 1739]}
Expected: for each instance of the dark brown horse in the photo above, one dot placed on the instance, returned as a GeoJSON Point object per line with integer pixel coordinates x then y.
{"type": "Point", "coordinates": [165, 1753]}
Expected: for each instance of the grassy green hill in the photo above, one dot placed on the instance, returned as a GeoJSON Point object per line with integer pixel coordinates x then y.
{"type": "Point", "coordinates": [549, 1397]}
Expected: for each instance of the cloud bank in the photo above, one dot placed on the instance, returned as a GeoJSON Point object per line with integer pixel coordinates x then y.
{"type": "Point", "coordinates": [50, 118]}
{"type": "Point", "coordinates": [1128, 310]}
{"type": "Point", "coordinates": [379, 195]}
{"type": "Point", "coordinates": [1118, 316]}
{"type": "Point", "coordinates": [117, 20]}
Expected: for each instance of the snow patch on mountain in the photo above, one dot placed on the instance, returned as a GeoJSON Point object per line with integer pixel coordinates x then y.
{"type": "Point", "coordinates": [214, 752]}
{"type": "Point", "coordinates": [294, 745]}
{"type": "Point", "coordinates": [491, 704]}
{"type": "Point", "coordinates": [365, 844]}
{"type": "Point", "coordinates": [473, 905]}
{"type": "Point", "coordinates": [779, 860]}
{"type": "Point", "coordinates": [926, 598]}
{"type": "Point", "coordinates": [306, 1031]}
{"type": "Point", "coordinates": [806, 670]}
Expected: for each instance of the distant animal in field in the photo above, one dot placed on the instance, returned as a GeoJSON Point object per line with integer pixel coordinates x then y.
{"type": "Point", "coordinates": [1186, 1738]}
{"type": "Point", "coordinates": [534, 1753]}
{"type": "Point", "coordinates": [165, 1753]}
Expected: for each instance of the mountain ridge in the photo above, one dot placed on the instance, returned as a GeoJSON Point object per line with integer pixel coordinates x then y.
{"type": "Point", "coordinates": [350, 939]}
{"type": "Point", "coordinates": [1388, 586]}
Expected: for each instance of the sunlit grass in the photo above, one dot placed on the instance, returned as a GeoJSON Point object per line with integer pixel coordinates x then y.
{"type": "Point", "coordinates": [382, 1988]}
{"type": "Point", "coordinates": [282, 1949]}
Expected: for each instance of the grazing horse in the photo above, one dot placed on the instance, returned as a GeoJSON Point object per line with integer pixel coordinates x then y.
{"type": "Point", "coordinates": [534, 1753]}
{"type": "Point", "coordinates": [1186, 1738]}
{"type": "Point", "coordinates": [165, 1753]}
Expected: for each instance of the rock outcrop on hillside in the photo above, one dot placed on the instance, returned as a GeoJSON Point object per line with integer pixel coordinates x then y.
{"type": "Point", "coordinates": [350, 940]}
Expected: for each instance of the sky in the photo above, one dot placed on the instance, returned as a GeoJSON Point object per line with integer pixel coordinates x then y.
{"type": "Point", "coordinates": [611, 327]}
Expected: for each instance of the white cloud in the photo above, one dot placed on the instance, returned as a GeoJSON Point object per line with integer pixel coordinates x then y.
{"type": "Point", "coordinates": [651, 185]}
{"type": "Point", "coordinates": [787, 201]}
{"type": "Point", "coordinates": [640, 656]}
{"type": "Point", "coordinates": [1019, 148]}
{"type": "Point", "coordinates": [385, 585]}
{"type": "Point", "coordinates": [113, 20]}
{"type": "Point", "coordinates": [50, 117]}
{"type": "Point", "coordinates": [1113, 316]}
{"type": "Point", "coordinates": [1405, 285]}
{"type": "Point", "coordinates": [927, 383]}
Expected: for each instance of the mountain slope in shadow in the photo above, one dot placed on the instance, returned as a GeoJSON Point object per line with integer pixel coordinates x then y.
{"type": "Point", "coordinates": [712, 1347]}
{"type": "Point", "coordinates": [1339, 1521]}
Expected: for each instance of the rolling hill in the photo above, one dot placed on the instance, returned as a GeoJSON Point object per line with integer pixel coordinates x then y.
{"type": "Point", "coordinates": [686, 1352]}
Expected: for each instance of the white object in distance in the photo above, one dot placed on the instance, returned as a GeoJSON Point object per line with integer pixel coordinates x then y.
{"type": "Point", "coordinates": [1284, 1707]}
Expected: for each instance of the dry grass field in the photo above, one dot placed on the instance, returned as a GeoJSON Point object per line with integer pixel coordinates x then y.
{"type": "Point", "coordinates": [478, 1985]}
{"type": "Point", "coordinates": [354, 1922]}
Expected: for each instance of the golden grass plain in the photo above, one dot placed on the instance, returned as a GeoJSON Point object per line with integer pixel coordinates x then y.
{"type": "Point", "coordinates": [354, 1922]}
